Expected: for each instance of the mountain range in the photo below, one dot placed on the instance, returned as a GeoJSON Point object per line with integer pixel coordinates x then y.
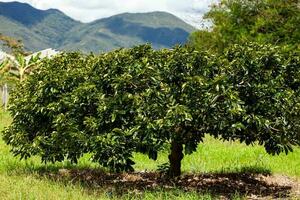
{"type": "Point", "coordinates": [40, 29]}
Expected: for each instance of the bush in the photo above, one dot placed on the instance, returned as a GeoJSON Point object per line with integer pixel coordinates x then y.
{"type": "Point", "coordinates": [139, 99]}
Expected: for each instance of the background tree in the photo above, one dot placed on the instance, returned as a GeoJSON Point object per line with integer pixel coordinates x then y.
{"type": "Point", "coordinates": [14, 46]}
{"type": "Point", "coordinates": [239, 21]}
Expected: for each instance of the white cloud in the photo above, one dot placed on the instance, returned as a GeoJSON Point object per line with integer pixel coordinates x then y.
{"type": "Point", "coordinates": [89, 10]}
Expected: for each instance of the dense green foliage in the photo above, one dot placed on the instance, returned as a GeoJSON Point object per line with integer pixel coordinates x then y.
{"type": "Point", "coordinates": [139, 99]}
{"type": "Point", "coordinates": [40, 29]}
{"type": "Point", "coordinates": [239, 21]}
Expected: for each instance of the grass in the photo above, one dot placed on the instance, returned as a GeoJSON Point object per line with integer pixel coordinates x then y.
{"type": "Point", "coordinates": [24, 180]}
{"type": "Point", "coordinates": [217, 156]}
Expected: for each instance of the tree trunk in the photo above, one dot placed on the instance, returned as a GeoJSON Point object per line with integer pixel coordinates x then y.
{"type": "Point", "coordinates": [175, 158]}
{"type": "Point", "coordinates": [5, 96]}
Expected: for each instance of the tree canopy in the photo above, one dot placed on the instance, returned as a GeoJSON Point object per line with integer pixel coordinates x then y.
{"type": "Point", "coordinates": [239, 21]}
{"type": "Point", "coordinates": [140, 99]}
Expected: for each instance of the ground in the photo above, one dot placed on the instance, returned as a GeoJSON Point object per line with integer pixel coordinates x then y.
{"type": "Point", "coordinates": [218, 170]}
{"type": "Point", "coordinates": [250, 185]}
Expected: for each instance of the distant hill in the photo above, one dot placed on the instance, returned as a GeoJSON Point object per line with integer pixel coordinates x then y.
{"type": "Point", "coordinates": [40, 29]}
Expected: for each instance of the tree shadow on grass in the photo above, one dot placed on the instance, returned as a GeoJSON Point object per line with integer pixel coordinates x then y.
{"type": "Point", "coordinates": [248, 182]}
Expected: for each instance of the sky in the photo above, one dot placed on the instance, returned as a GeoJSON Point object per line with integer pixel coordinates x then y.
{"type": "Point", "coordinates": [190, 11]}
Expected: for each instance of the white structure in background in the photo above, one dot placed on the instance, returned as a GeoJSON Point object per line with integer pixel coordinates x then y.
{"type": "Point", "coordinates": [4, 56]}
{"type": "Point", "coordinates": [46, 53]}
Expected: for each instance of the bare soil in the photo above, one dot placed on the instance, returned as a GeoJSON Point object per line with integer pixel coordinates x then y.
{"type": "Point", "coordinates": [219, 185]}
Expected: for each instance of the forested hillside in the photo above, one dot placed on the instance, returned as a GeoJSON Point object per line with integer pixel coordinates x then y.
{"type": "Point", "coordinates": [40, 29]}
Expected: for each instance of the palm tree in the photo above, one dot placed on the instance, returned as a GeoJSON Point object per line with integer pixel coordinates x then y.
{"type": "Point", "coordinates": [14, 70]}
{"type": "Point", "coordinates": [22, 66]}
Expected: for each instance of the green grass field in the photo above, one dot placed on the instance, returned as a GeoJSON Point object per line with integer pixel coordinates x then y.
{"type": "Point", "coordinates": [30, 179]}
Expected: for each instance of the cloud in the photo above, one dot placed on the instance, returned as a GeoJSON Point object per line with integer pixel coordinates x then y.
{"type": "Point", "coordinates": [88, 10]}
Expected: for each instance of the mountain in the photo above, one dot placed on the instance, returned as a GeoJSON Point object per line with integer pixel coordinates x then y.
{"type": "Point", "coordinates": [40, 29]}
{"type": "Point", "coordinates": [158, 28]}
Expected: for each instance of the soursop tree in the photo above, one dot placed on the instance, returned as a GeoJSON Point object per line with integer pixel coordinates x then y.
{"type": "Point", "coordinates": [140, 100]}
